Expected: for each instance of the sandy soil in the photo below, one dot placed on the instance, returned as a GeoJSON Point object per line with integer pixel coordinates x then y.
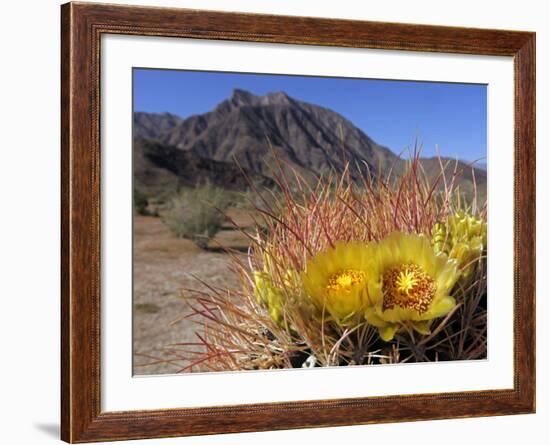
{"type": "Point", "coordinates": [163, 266]}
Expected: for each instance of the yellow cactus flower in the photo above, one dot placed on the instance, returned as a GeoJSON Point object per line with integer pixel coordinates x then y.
{"type": "Point", "coordinates": [410, 285]}
{"type": "Point", "coordinates": [463, 237]}
{"type": "Point", "coordinates": [336, 280]}
{"type": "Point", "coordinates": [268, 295]}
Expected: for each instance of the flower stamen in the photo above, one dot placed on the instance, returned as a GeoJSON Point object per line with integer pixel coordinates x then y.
{"type": "Point", "coordinates": [408, 287]}
{"type": "Point", "coordinates": [345, 280]}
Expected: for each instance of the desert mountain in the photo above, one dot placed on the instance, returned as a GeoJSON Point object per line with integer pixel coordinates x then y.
{"type": "Point", "coordinates": [253, 132]}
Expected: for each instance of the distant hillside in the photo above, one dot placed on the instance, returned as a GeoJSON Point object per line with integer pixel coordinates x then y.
{"type": "Point", "coordinates": [466, 175]}
{"type": "Point", "coordinates": [252, 132]}
{"type": "Point", "coordinates": [161, 169]}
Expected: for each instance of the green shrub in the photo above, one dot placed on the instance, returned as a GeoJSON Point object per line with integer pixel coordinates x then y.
{"type": "Point", "coordinates": [140, 202]}
{"type": "Point", "coordinates": [196, 214]}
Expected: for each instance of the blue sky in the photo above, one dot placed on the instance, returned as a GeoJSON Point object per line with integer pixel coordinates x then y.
{"type": "Point", "coordinates": [450, 116]}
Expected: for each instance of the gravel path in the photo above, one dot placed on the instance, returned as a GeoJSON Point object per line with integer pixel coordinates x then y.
{"type": "Point", "coordinates": [163, 266]}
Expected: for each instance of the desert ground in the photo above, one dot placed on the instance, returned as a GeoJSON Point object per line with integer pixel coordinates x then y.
{"type": "Point", "coordinates": [164, 266]}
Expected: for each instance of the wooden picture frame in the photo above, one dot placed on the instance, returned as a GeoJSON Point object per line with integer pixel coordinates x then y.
{"type": "Point", "coordinates": [82, 26]}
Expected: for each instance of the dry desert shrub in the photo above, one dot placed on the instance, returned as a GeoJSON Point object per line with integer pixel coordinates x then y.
{"type": "Point", "coordinates": [197, 213]}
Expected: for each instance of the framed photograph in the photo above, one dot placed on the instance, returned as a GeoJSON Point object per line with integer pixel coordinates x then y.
{"type": "Point", "coordinates": [275, 222]}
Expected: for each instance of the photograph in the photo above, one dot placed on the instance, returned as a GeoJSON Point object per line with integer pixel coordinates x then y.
{"type": "Point", "coordinates": [288, 221]}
